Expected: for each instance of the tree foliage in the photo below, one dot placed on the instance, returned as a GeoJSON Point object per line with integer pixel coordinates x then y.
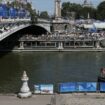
{"type": "Point", "coordinates": [68, 8]}
{"type": "Point", "coordinates": [101, 11]}
{"type": "Point", "coordinates": [82, 12]}
{"type": "Point", "coordinates": [27, 6]}
{"type": "Point", "coordinates": [44, 14]}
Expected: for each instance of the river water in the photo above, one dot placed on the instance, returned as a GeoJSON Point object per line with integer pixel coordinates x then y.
{"type": "Point", "coordinates": [48, 67]}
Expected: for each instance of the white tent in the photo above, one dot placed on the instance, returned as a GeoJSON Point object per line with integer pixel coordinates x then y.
{"type": "Point", "coordinates": [98, 25]}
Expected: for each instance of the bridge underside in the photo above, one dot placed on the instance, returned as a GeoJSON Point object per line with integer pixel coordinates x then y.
{"type": "Point", "coordinates": [34, 30]}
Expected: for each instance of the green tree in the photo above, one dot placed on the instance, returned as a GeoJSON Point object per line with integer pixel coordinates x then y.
{"type": "Point", "coordinates": [0, 1]}
{"type": "Point", "coordinates": [86, 10]}
{"type": "Point", "coordinates": [101, 11]}
{"type": "Point", "coordinates": [27, 7]}
{"type": "Point", "coordinates": [44, 15]}
{"type": "Point", "coordinates": [78, 9]}
{"type": "Point", "coordinates": [68, 8]}
{"type": "Point", "coordinates": [33, 16]}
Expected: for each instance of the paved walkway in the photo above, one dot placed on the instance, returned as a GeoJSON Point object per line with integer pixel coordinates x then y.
{"type": "Point", "coordinates": [63, 99]}
{"type": "Point", "coordinates": [34, 100]}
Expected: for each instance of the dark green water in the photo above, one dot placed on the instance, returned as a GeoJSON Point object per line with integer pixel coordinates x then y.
{"type": "Point", "coordinates": [48, 67]}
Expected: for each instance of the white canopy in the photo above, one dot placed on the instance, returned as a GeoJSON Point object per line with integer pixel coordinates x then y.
{"type": "Point", "coordinates": [98, 25]}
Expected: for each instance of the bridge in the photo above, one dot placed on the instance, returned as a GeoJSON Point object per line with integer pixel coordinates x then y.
{"type": "Point", "coordinates": [11, 26]}
{"type": "Point", "coordinates": [14, 31]}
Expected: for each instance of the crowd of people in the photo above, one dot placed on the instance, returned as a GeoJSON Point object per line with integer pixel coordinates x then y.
{"type": "Point", "coordinates": [67, 37]}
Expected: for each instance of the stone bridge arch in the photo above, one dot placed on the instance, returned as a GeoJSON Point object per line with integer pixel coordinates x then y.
{"type": "Point", "coordinates": [15, 34]}
{"type": "Point", "coordinates": [47, 27]}
{"type": "Point", "coordinates": [38, 29]}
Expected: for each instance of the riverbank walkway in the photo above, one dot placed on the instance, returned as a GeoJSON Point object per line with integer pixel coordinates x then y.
{"type": "Point", "coordinates": [58, 99]}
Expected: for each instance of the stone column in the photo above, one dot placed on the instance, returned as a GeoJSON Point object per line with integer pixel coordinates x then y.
{"type": "Point", "coordinates": [97, 45]}
{"type": "Point", "coordinates": [57, 8]}
{"type": "Point", "coordinates": [24, 91]}
{"type": "Point", "coordinates": [35, 44]}
{"type": "Point", "coordinates": [21, 45]}
{"type": "Point", "coordinates": [60, 45]}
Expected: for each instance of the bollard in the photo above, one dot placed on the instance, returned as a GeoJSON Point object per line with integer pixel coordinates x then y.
{"type": "Point", "coordinates": [24, 91]}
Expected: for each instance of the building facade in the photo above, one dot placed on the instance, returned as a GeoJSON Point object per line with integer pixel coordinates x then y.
{"type": "Point", "coordinates": [87, 3]}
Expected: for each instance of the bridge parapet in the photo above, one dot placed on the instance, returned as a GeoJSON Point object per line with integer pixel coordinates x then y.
{"type": "Point", "coordinates": [14, 20]}
{"type": "Point", "coordinates": [43, 20]}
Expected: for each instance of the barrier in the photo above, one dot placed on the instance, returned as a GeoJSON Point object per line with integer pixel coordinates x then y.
{"type": "Point", "coordinates": [70, 87]}
{"type": "Point", "coordinates": [44, 89]}
{"type": "Point", "coordinates": [67, 87]}
{"type": "Point", "coordinates": [87, 86]}
{"type": "Point", "coordinates": [91, 86]}
{"type": "Point", "coordinates": [81, 86]}
{"type": "Point", "coordinates": [37, 89]}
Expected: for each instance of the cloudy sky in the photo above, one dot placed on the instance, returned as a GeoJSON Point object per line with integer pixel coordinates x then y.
{"type": "Point", "coordinates": [48, 5]}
